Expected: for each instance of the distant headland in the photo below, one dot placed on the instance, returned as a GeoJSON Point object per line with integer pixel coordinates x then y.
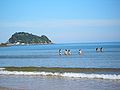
{"type": "Point", "coordinates": [23, 38]}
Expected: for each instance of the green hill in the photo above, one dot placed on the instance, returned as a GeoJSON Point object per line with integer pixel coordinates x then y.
{"type": "Point", "coordinates": [26, 38]}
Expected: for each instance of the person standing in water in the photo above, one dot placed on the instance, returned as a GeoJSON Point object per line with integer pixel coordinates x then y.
{"type": "Point", "coordinates": [101, 49]}
{"type": "Point", "coordinates": [69, 53]}
{"type": "Point", "coordinates": [97, 49]}
{"type": "Point", "coordinates": [65, 52]}
{"type": "Point", "coordinates": [80, 52]}
{"type": "Point", "coordinates": [60, 52]}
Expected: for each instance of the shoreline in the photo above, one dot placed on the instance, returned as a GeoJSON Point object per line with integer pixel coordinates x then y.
{"type": "Point", "coordinates": [8, 45]}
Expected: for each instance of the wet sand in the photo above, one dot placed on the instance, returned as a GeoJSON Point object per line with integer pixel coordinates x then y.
{"type": "Point", "coordinates": [56, 83]}
{"type": "Point", "coordinates": [5, 88]}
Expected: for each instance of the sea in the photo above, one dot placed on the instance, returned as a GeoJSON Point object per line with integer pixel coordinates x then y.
{"type": "Point", "coordinates": [106, 64]}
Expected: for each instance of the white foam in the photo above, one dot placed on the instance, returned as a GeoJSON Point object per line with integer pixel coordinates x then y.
{"type": "Point", "coordinates": [99, 76]}
{"type": "Point", "coordinates": [2, 68]}
{"type": "Point", "coordinates": [71, 75]}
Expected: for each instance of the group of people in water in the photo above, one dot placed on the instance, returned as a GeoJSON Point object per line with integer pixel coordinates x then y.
{"type": "Point", "coordinates": [80, 52]}
{"type": "Point", "coordinates": [68, 52]}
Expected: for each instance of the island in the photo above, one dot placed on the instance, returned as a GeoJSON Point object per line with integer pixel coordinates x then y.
{"type": "Point", "coordinates": [24, 38]}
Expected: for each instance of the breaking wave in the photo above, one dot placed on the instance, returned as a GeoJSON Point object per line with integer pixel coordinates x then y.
{"type": "Point", "coordinates": [65, 74]}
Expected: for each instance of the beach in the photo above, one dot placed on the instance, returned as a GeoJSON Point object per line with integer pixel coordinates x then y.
{"type": "Point", "coordinates": [4, 88]}
{"type": "Point", "coordinates": [7, 88]}
{"type": "Point", "coordinates": [56, 83]}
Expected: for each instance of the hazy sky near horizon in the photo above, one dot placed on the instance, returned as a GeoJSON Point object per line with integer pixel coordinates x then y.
{"type": "Point", "coordinates": [63, 21]}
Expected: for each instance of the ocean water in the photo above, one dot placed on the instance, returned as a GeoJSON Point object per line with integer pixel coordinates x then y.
{"type": "Point", "coordinates": [47, 55]}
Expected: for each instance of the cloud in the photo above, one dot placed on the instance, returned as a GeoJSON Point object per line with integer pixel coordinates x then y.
{"type": "Point", "coordinates": [60, 23]}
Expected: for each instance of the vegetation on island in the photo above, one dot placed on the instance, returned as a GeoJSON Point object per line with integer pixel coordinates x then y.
{"type": "Point", "coordinates": [26, 38]}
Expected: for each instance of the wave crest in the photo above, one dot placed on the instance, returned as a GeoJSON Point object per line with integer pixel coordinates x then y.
{"type": "Point", "coordinates": [71, 75]}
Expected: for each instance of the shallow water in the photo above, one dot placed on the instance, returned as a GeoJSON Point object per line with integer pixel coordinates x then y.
{"type": "Point", "coordinates": [47, 55]}
{"type": "Point", "coordinates": [57, 83]}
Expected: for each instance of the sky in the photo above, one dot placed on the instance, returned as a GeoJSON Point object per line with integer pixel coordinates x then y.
{"type": "Point", "coordinates": [63, 21]}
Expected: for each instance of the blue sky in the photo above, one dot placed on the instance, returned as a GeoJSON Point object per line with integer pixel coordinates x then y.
{"type": "Point", "coordinates": [63, 21]}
